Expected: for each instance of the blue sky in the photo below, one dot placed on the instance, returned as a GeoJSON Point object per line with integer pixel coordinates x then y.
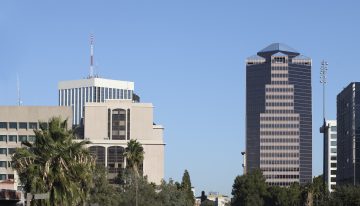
{"type": "Point", "coordinates": [186, 57]}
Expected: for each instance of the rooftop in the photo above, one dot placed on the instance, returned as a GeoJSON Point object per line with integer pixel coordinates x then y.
{"type": "Point", "coordinates": [278, 47]}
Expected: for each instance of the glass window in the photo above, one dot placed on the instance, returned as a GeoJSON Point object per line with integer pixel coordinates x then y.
{"type": "Point", "coordinates": [333, 157]}
{"type": "Point", "coordinates": [333, 164]}
{"type": "Point", "coordinates": [44, 125]}
{"type": "Point", "coordinates": [333, 128]}
{"type": "Point", "coordinates": [13, 125]}
{"type": "Point", "coordinates": [333, 143]}
{"type": "Point", "coordinates": [333, 136]}
{"type": "Point", "coordinates": [11, 176]}
{"type": "Point", "coordinates": [33, 125]}
{"type": "Point", "coordinates": [3, 125]}
{"type": "Point", "coordinates": [3, 151]}
{"type": "Point", "coordinates": [11, 151]}
{"type": "Point", "coordinates": [12, 138]}
{"type": "Point", "coordinates": [3, 164]}
{"type": "Point", "coordinates": [31, 138]}
{"type": "Point", "coordinates": [2, 138]}
{"type": "Point", "coordinates": [22, 138]}
{"type": "Point", "coordinates": [23, 125]}
{"type": "Point", "coordinates": [2, 176]}
{"type": "Point", "coordinates": [333, 172]}
{"type": "Point", "coordinates": [333, 150]}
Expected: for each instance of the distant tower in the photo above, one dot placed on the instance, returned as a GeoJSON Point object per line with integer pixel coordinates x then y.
{"type": "Point", "coordinates": [279, 115]}
{"type": "Point", "coordinates": [91, 73]}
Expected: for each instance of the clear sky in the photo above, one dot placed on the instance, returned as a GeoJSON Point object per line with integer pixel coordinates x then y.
{"type": "Point", "coordinates": [186, 57]}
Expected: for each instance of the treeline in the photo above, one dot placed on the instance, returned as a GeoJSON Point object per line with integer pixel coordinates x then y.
{"type": "Point", "coordinates": [123, 192]}
{"type": "Point", "coordinates": [252, 190]}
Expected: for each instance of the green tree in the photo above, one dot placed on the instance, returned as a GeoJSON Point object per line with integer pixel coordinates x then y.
{"type": "Point", "coordinates": [103, 193]}
{"type": "Point", "coordinates": [345, 195]}
{"type": "Point", "coordinates": [55, 164]}
{"type": "Point", "coordinates": [171, 194]}
{"type": "Point", "coordinates": [208, 203]}
{"type": "Point", "coordinates": [186, 186]}
{"type": "Point", "coordinates": [250, 189]}
{"type": "Point", "coordinates": [134, 154]}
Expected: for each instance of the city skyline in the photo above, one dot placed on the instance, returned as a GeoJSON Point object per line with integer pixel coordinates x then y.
{"type": "Point", "coordinates": [186, 58]}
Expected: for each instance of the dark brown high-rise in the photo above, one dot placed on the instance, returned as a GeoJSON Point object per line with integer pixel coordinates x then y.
{"type": "Point", "coordinates": [279, 115]}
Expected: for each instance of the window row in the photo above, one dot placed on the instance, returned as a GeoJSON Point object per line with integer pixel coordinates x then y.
{"type": "Point", "coordinates": [280, 82]}
{"type": "Point", "coordinates": [279, 140]}
{"type": "Point", "coordinates": [279, 89]}
{"type": "Point", "coordinates": [279, 68]}
{"type": "Point", "coordinates": [7, 151]}
{"type": "Point", "coordinates": [279, 126]}
{"type": "Point", "coordinates": [279, 111]}
{"type": "Point", "coordinates": [281, 176]}
{"type": "Point", "coordinates": [280, 169]}
{"type": "Point", "coordinates": [279, 162]}
{"type": "Point", "coordinates": [280, 75]}
{"type": "Point", "coordinates": [279, 133]}
{"type": "Point", "coordinates": [279, 104]}
{"type": "Point", "coordinates": [18, 125]}
{"type": "Point", "coordinates": [6, 176]}
{"type": "Point", "coordinates": [17, 138]}
{"type": "Point", "coordinates": [5, 164]}
{"type": "Point", "coordinates": [279, 147]}
{"type": "Point", "coordinates": [280, 118]}
{"type": "Point", "coordinates": [279, 96]}
{"type": "Point", "coordinates": [279, 154]}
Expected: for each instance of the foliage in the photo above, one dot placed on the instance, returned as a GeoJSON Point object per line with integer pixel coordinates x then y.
{"type": "Point", "coordinates": [134, 154]}
{"type": "Point", "coordinates": [345, 195]}
{"type": "Point", "coordinates": [207, 203]}
{"type": "Point", "coordinates": [56, 164]}
{"type": "Point", "coordinates": [171, 194]}
{"type": "Point", "coordinates": [250, 189]}
{"type": "Point", "coordinates": [103, 193]}
{"type": "Point", "coordinates": [186, 187]}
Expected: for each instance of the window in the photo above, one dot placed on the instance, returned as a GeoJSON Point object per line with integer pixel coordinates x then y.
{"type": "Point", "coordinates": [11, 176]}
{"type": "Point", "coordinates": [2, 176]}
{"type": "Point", "coordinates": [3, 125]}
{"type": "Point", "coordinates": [12, 138]}
{"type": "Point", "coordinates": [2, 138]}
{"type": "Point", "coordinates": [44, 125]}
{"type": "Point", "coordinates": [22, 138]}
{"type": "Point", "coordinates": [333, 136]}
{"type": "Point", "coordinates": [33, 125]}
{"type": "Point", "coordinates": [31, 138]}
{"type": "Point", "coordinates": [22, 125]}
{"type": "Point", "coordinates": [333, 179]}
{"type": "Point", "coordinates": [11, 151]}
{"type": "Point", "coordinates": [333, 164]}
{"type": "Point", "coordinates": [333, 150]}
{"type": "Point", "coordinates": [333, 172]}
{"type": "Point", "coordinates": [3, 151]}
{"type": "Point", "coordinates": [333, 143]}
{"type": "Point", "coordinates": [333, 157]}
{"type": "Point", "coordinates": [13, 125]}
{"type": "Point", "coordinates": [3, 164]}
{"type": "Point", "coordinates": [333, 128]}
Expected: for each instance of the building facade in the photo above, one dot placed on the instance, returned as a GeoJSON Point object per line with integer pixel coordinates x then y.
{"type": "Point", "coordinates": [111, 124]}
{"type": "Point", "coordinates": [17, 124]}
{"type": "Point", "coordinates": [279, 115]}
{"type": "Point", "coordinates": [77, 93]}
{"type": "Point", "coordinates": [348, 133]}
{"type": "Point", "coordinates": [330, 153]}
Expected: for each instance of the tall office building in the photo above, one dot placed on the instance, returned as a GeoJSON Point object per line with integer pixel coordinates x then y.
{"type": "Point", "coordinates": [330, 153]}
{"type": "Point", "coordinates": [279, 115]}
{"type": "Point", "coordinates": [348, 133]}
{"type": "Point", "coordinates": [78, 92]}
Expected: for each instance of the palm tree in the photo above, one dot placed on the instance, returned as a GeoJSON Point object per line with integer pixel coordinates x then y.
{"type": "Point", "coordinates": [134, 154]}
{"type": "Point", "coordinates": [55, 164]}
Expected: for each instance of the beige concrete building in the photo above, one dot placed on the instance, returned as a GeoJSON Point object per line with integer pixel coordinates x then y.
{"type": "Point", "coordinates": [109, 125]}
{"type": "Point", "coordinates": [17, 124]}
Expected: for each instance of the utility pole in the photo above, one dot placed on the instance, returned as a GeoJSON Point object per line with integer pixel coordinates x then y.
{"type": "Point", "coordinates": [324, 129]}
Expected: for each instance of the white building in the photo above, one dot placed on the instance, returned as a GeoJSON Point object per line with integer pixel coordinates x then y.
{"type": "Point", "coordinates": [330, 153]}
{"type": "Point", "coordinates": [76, 93]}
{"type": "Point", "coordinates": [17, 124]}
{"type": "Point", "coordinates": [111, 124]}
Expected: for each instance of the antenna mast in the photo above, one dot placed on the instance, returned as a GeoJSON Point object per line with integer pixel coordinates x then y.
{"type": "Point", "coordinates": [18, 89]}
{"type": "Point", "coordinates": [91, 74]}
{"type": "Point", "coordinates": [323, 81]}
